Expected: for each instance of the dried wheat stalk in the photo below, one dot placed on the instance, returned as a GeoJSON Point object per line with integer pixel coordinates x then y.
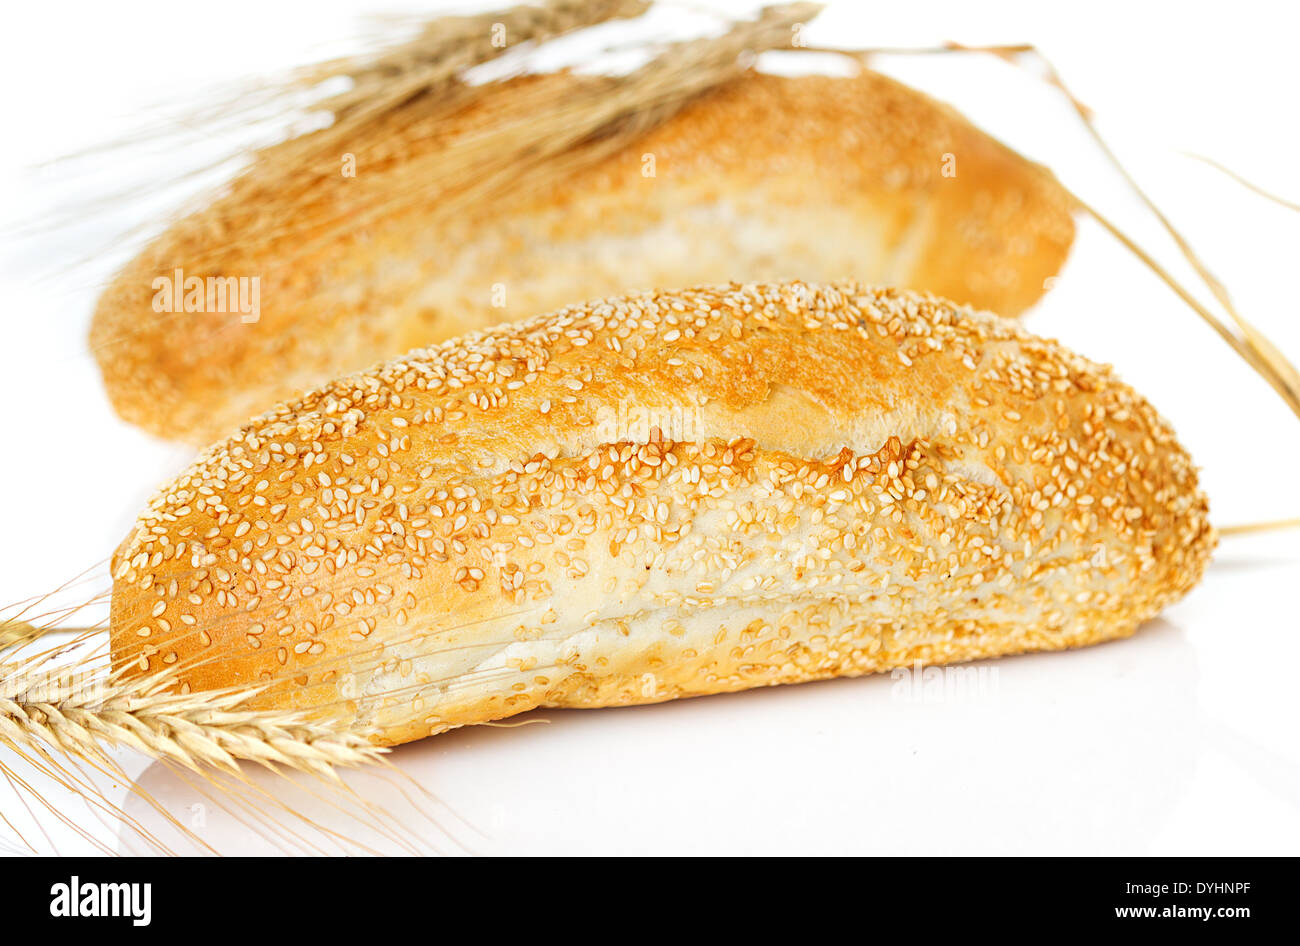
{"type": "Point", "coordinates": [192, 729]}
{"type": "Point", "coordinates": [545, 131]}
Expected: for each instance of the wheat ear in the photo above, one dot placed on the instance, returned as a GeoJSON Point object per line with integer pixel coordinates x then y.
{"type": "Point", "coordinates": [193, 730]}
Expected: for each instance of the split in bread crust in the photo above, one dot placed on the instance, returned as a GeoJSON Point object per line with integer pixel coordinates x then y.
{"type": "Point", "coordinates": [658, 496]}
{"type": "Point", "coordinates": [765, 178]}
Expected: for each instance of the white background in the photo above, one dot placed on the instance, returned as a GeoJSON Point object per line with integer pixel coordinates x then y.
{"type": "Point", "coordinates": [1179, 741]}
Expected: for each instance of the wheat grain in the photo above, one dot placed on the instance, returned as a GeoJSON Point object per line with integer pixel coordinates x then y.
{"type": "Point", "coordinates": [14, 633]}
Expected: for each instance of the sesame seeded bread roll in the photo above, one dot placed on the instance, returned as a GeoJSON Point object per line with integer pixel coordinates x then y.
{"type": "Point", "coordinates": [765, 178]}
{"type": "Point", "coordinates": [661, 496]}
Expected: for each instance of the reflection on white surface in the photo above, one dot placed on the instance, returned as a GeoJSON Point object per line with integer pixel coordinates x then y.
{"type": "Point", "coordinates": [1079, 752]}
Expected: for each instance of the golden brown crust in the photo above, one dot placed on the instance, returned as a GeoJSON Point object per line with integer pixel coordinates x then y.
{"type": "Point", "coordinates": [659, 496]}
{"type": "Point", "coordinates": [766, 178]}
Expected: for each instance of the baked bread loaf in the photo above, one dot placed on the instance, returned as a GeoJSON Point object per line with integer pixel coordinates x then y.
{"type": "Point", "coordinates": [765, 178]}
{"type": "Point", "coordinates": [659, 496]}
